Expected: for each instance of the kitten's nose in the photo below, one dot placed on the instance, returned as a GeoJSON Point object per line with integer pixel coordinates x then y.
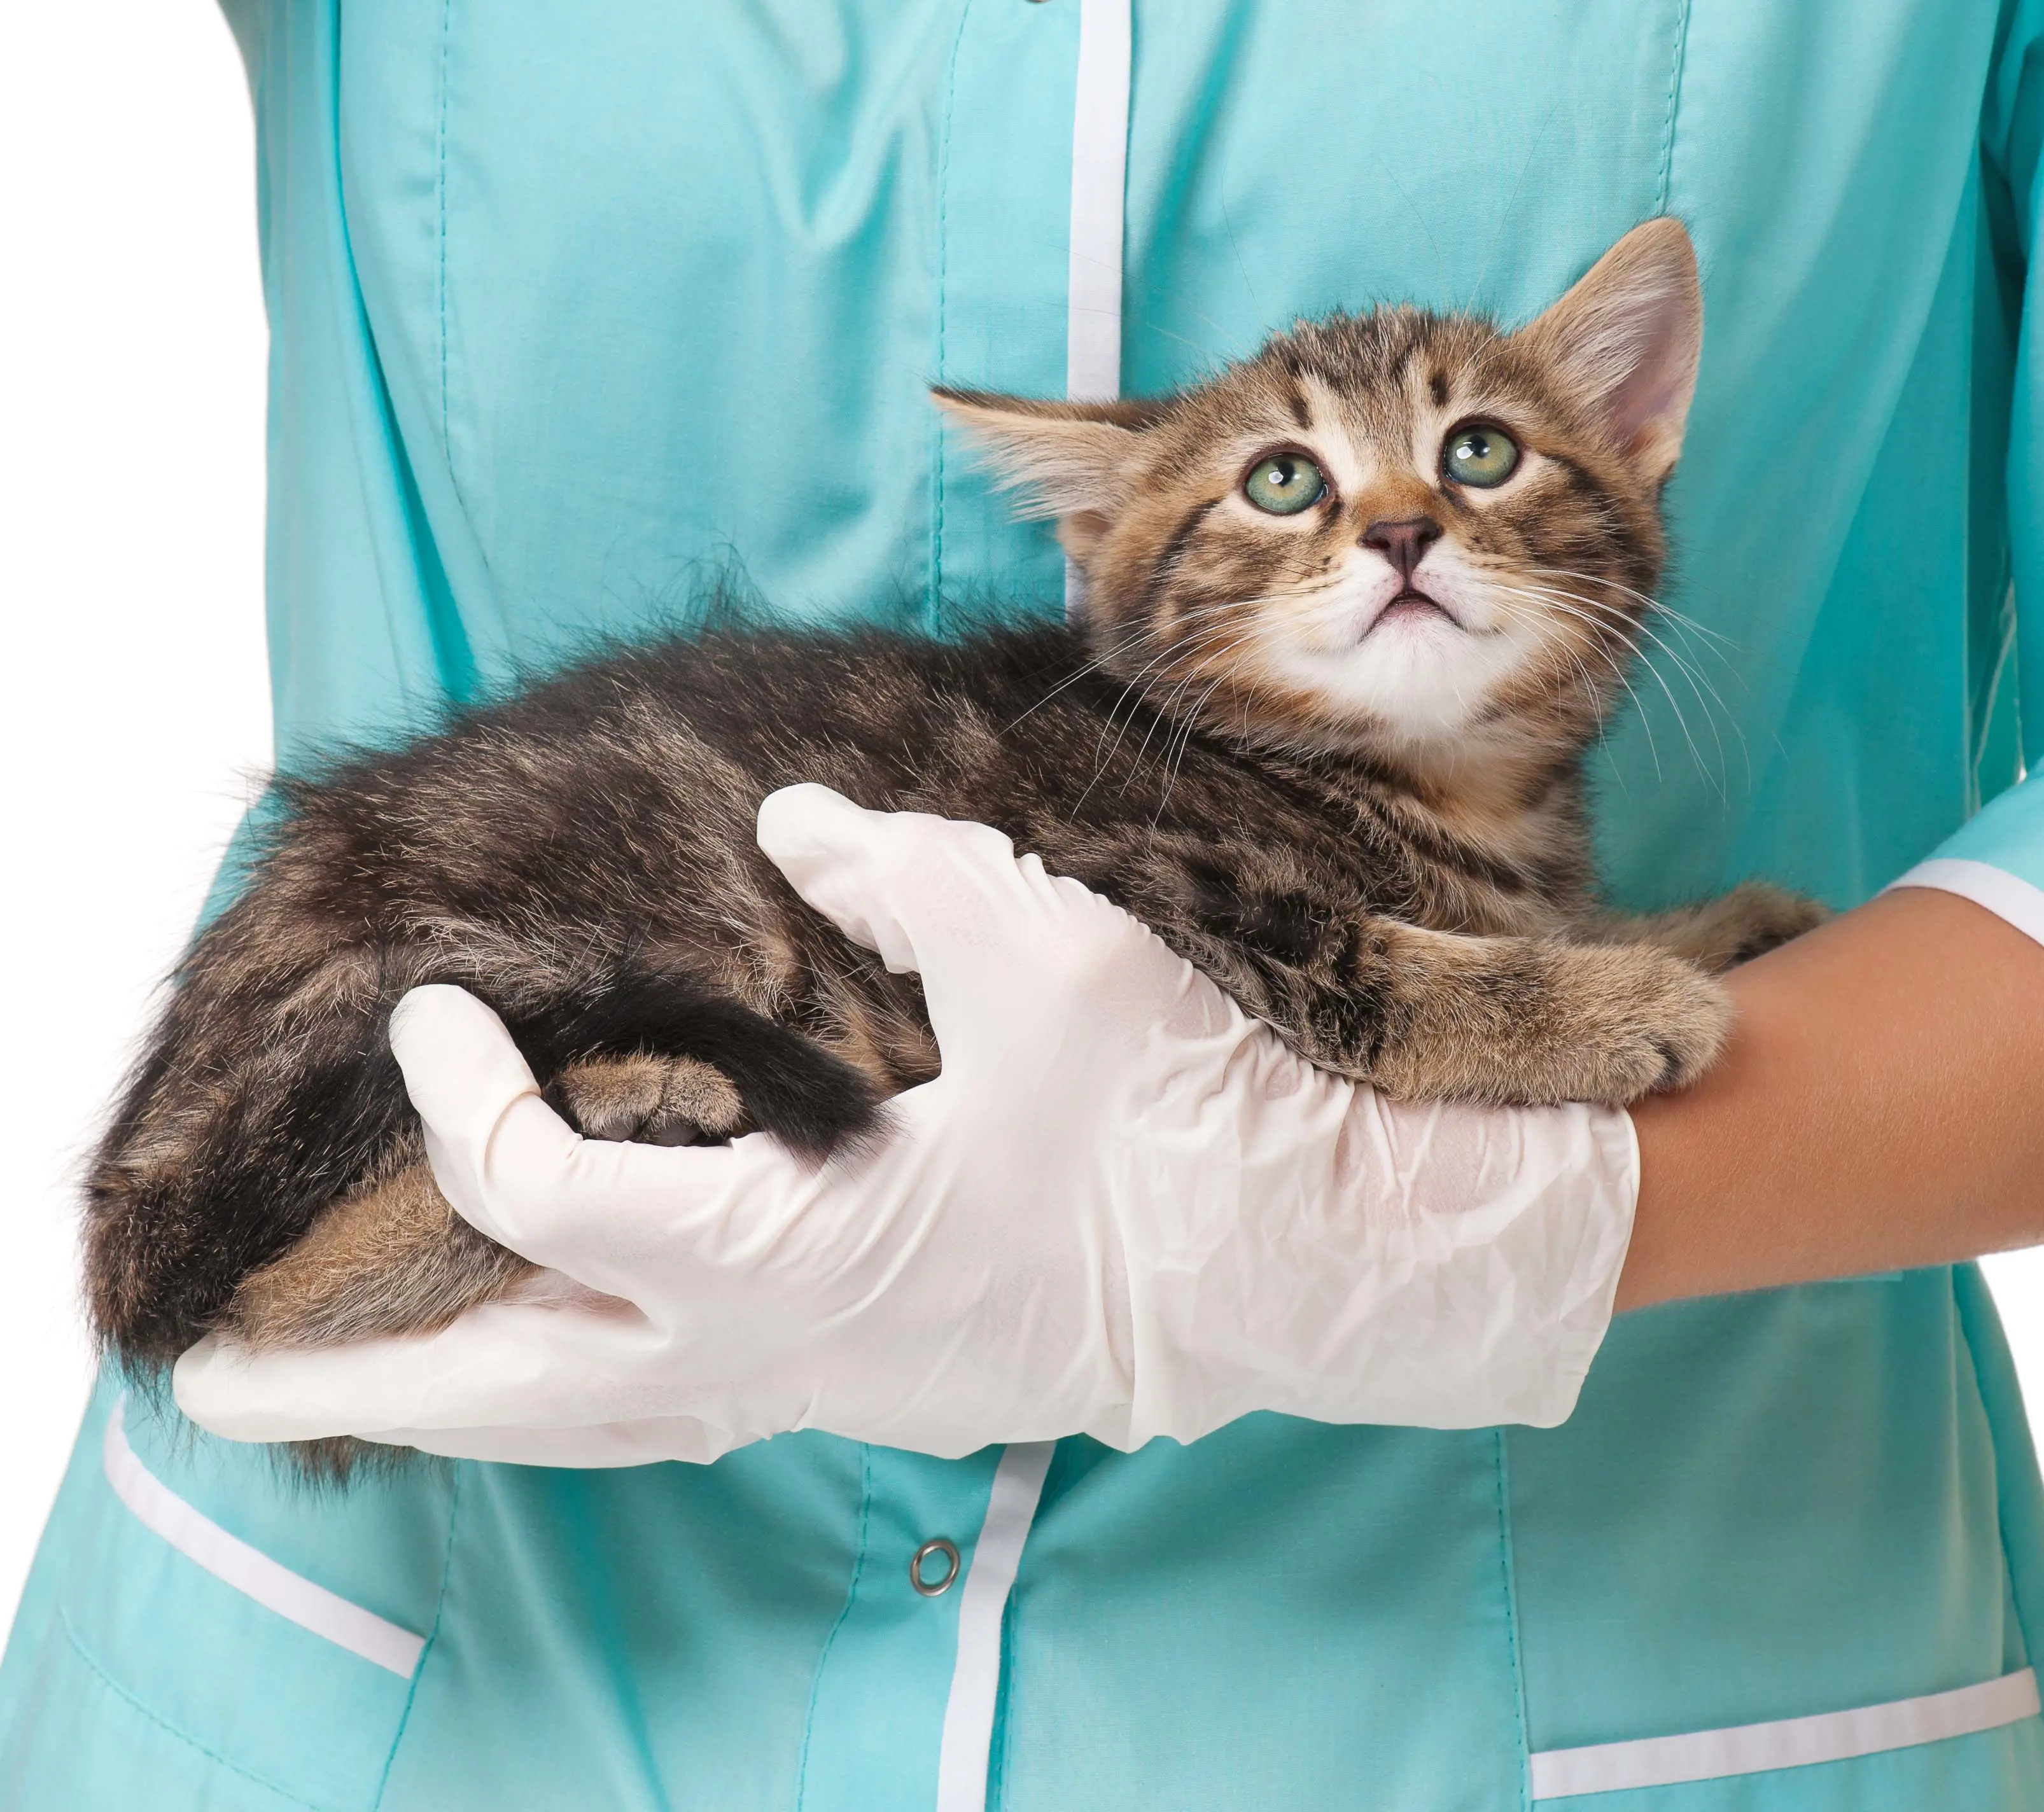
{"type": "Point", "coordinates": [1403, 542]}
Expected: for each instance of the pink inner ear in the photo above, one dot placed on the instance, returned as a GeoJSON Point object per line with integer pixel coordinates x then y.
{"type": "Point", "coordinates": [1080, 531]}
{"type": "Point", "coordinates": [1647, 409]}
{"type": "Point", "coordinates": [1641, 406]}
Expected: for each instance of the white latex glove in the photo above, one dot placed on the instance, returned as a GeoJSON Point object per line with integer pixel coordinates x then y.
{"type": "Point", "coordinates": [1124, 1208]}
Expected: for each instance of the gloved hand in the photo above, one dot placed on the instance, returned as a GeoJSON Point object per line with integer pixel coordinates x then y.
{"type": "Point", "coordinates": [1123, 1208]}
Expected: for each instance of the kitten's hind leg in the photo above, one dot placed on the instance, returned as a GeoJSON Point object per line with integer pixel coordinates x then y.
{"type": "Point", "coordinates": [650, 1026]}
{"type": "Point", "coordinates": [654, 1100]}
{"type": "Point", "coordinates": [1718, 935]}
{"type": "Point", "coordinates": [390, 1257]}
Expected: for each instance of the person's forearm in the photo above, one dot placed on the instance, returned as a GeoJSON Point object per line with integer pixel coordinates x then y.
{"type": "Point", "coordinates": [1876, 1108]}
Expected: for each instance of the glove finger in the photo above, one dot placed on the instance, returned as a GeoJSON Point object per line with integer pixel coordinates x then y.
{"type": "Point", "coordinates": [606, 1445]}
{"type": "Point", "coordinates": [596, 1210]}
{"type": "Point", "coordinates": [505, 1366]}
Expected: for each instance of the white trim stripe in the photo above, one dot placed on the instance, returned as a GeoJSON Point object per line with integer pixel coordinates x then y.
{"type": "Point", "coordinates": [1100, 176]}
{"type": "Point", "coordinates": [1100, 171]}
{"type": "Point", "coordinates": [1792, 1742]}
{"type": "Point", "coordinates": [2007, 896]}
{"type": "Point", "coordinates": [968, 1738]}
{"type": "Point", "coordinates": [248, 1570]}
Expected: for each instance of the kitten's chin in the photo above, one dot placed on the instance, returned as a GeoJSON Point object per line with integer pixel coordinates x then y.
{"type": "Point", "coordinates": [1416, 677]}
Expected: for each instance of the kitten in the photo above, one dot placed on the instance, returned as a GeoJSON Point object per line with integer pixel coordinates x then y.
{"type": "Point", "coordinates": [1356, 607]}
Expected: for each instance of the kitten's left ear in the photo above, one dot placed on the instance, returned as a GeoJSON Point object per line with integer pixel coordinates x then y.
{"type": "Point", "coordinates": [1074, 460]}
{"type": "Point", "coordinates": [1625, 342]}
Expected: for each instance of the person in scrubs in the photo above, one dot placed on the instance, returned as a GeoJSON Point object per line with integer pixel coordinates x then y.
{"type": "Point", "coordinates": [573, 312]}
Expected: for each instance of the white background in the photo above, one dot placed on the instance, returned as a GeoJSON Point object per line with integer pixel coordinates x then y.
{"type": "Point", "coordinates": [135, 699]}
{"type": "Point", "coordinates": [135, 705]}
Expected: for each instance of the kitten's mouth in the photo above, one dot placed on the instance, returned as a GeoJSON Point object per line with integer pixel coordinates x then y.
{"type": "Point", "coordinates": [1411, 605]}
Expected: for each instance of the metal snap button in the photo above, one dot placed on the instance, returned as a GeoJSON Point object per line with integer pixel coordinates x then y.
{"type": "Point", "coordinates": [921, 1581]}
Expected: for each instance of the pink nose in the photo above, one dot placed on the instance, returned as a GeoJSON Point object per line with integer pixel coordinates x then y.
{"type": "Point", "coordinates": [1403, 542]}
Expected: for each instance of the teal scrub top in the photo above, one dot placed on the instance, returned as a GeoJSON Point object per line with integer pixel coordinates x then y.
{"type": "Point", "coordinates": [577, 309]}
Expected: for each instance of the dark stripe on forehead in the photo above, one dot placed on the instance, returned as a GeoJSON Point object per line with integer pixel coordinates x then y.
{"type": "Point", "coordinates": [1437, 388]}
{"type": "Point", "coordinates": [1295, 389]}
{"type": "Point", "coordinates": [1415, 332]}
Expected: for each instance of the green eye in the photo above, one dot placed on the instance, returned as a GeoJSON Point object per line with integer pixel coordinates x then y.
{"type": "Point", "coordinates": [1480, 455]}
{"type": "Point", "coordinates": [1285, 484]}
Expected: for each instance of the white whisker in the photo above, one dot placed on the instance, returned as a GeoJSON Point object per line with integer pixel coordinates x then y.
{"type": "Point", "coordinates": [1699, 683]}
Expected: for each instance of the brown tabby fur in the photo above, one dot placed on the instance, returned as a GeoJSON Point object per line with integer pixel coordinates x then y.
{"type": "Point", "coordinates": [1371, 832]}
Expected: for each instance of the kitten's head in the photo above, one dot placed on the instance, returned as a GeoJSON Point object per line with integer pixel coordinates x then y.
{"type": "Point", "coordinates": [1407, 534]}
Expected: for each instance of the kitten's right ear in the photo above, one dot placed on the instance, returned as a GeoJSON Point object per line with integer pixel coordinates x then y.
{"type": "Point", "coordinates": [1625, 340]}
{"type": "Point", "coordinates": [1072, 460]}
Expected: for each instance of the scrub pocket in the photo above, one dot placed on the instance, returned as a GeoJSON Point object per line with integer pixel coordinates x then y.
{"type": "Point", "coordinates": [183, 1666]}
{"type": "Point", "coordinates": [1767, 1564]}
{"type": "Point", "coordinates": [1980, 1746]}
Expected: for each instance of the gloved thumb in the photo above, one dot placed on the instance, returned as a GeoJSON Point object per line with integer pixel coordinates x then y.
{"type": "Point", "coordinates": [513, 1168]}
{"type": "Point", "coordinates": [904, 884]}
{"type": "Point", "coordinates": [469, 1082]}
{"type": "Point", "coordinates": [459, 1062]}
{"type": "Point", "coordinates": [997, 940]}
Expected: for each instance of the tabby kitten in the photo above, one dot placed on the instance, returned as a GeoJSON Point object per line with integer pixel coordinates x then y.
{"type": "Point", "coordinates": [1355, 607]}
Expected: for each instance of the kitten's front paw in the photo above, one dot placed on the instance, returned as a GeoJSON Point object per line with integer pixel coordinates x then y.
{"type": "Point", "coordinates": [1752, 919]}
{"type": "Point", "coordinates": [1759, 916]}
{"type": "Point", "coordinates": [1638, 1020]}
{"type": "Point", "coordinates": [648, 1099]}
